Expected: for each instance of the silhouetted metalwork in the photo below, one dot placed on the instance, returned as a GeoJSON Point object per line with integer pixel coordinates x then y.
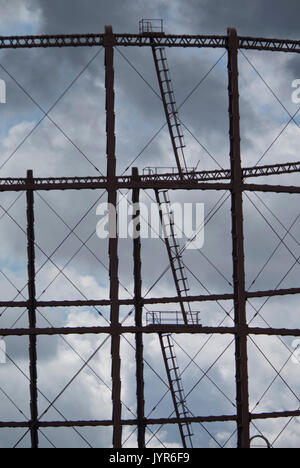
{"type": "Point", "coordinates": [32, 315]}
{"type": "Point", "coordinates": [113, 238]}
{"type": "Point", "coordinates": [137, 272]}
{"type": "Point", "coordinates": [238, 255]}
{"type": "Point", "coordinates": [160, 180]}
{"type": "Point", "coordinates": [145, 39]}
{"type": "Point", "coordinates": [180, 179]}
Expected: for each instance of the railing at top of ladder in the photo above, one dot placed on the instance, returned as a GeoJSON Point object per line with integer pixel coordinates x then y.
{"type": "Point", "coordinates": [155, 170]}
{"type": "Point", "coordinates": [173, 374]}
{"type": "Point", "coordinates": [151, 26]}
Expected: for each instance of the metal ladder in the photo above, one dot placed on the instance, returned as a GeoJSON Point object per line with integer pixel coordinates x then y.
{"type": "Point", "coordinates": [174, 253]}
{"type": "Point", "coordinates": [175, 383]}
{"type": "Point", "coordinates": [166, 342]}
{"type": "Point", "coordinates": [172, 244]}
{"type": "Point", "coordinates": [170, 108]}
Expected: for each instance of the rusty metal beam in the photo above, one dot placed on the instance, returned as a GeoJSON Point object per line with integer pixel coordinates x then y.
{"type": "Point", "coordinates": [119, 184]}
{"type": "Point", "coordinates": [271, 188]}
{"type": "Point", "coordinates": [152, 300]}
{"type": "Point", "coordinates": [141, 427]}
{"type": "Point", "coordinates": [109, 43]}
{"type": "Point", "coordinates": [116, 330]}
{"type": "Point", "coordinates": [152, 421]}
{"type": "Point", "coordinates": [149, 329]}
{"type": "Point", "coordinates": [32, 316]}
{"type": "Point", "coordinates": [124, 422]}
{"type": "Point", "coordinates": [187, 180]}
{"type": "Point", "coordinates": [145, 40]}
{"type": "Point", "coordinates": [242, 392]}
{"type": "Point", "coordinates": [149, 185]}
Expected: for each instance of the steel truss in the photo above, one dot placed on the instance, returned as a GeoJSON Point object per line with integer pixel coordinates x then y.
{"type": "Point", "coordinates": [201, 180]}
{"type": "Point", "coordinates": [148, 181]}
{"type": "Point", "coordinates": [144, 40]}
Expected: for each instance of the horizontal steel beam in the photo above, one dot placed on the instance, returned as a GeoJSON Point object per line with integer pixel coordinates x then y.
{"type": "Point", "coordinates": [223, 174]}
{"type": "Point", "coordinates": [273, 45]}
{"type": "Point", "coordinates": [276, 414]}
{"type": "Point", "coordinates": [150, 421]}
{"type": "Point", "coordinates": [63, 183]}
{"type": "Point", "coordinates": [168, 328]}
{"type": "Point", "coordinates": [273, 292]}
{"type": "Point", "coordinates": [144, 185]}
{"type": "Point", "coordinates": [147, 40]}
{"type": "Point", "coordinates": [124, 422]}
{"type": "Point", "coordinates": [271, 188]}
{"type": "Point", "coordinates": [274, 331]}
{"type": "Point", "coordinates": [96, 185]}
{"type": "Point", "coordinates": [190, 180]}
{"type": "Point", "coordinates": [115, 330]}
{"type": "Point", "coordinates": [151, 300]}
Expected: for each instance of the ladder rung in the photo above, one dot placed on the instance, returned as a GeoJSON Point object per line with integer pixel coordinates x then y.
{"type": "Point", "coordinates": [175, 112]}
{"type": "Point", "coordinates": [179, 268]}
{"type": "Point", "coordinates": [171, 223]}
{"type": "Point", "coordinates": [178, 257]}
{"type": "Point", "coordinates": [178, 379]}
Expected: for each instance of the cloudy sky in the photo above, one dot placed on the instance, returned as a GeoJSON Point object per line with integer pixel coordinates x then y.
{"type": "Point", "coordinates": [71, 261]}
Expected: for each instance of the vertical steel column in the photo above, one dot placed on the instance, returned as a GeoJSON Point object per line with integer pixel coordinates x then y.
{"type": "Point", "coordinates": [109, 41]}
{"type": "Point", "coordinates": [242, 391]}
{"type": "Point", "coordinates": [32, 314]}
{"type": "Point", "coordinates": [138, 316]}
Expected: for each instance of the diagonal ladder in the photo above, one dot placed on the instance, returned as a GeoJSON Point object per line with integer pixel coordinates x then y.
{"type": "Point", "coordinates": [172, 244]}
{"type": "Point", "coordinates": [165, 339]}
{"type": "Point", "coordinates": [170, 108]}
{"type": "Point", "coordinates": [174, 252]}
{"type": "Point", "coordinates": [175, 384]}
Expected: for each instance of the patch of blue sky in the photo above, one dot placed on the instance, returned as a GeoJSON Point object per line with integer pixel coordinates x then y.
{"type": "Point", "coordinates": [19, 28]}
{"type": "Point", "coordinates": [10, 113]}
{"type": "Point", "coordinates": [278, 116]}
{"type": "Point", "coordinates": [94, 311]}
{"type": "Point", "coordinates": [7, 123]}
{"type": "Point", "coordinates": [13, 265]}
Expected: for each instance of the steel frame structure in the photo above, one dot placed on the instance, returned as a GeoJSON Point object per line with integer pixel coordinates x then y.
{"type": "Point", "coordinates": [205, 180]}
